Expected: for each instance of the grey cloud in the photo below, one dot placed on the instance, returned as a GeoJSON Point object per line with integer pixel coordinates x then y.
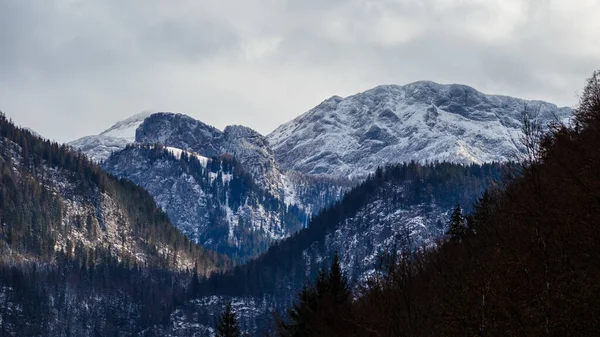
{"type": "Point", "coordinates": [70, 68]}
{"type": "Point", "coordinates": [189, 41]}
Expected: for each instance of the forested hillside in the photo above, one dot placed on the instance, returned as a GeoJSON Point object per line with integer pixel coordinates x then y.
{"type": "Point", "coordinates": [526, 263]}
{"type": "Point", "coordinates": [82, 251]}
{"type": "Point", "coordinates": [432, 189]}
{"type": "Point", "coordinates": [399, 207]}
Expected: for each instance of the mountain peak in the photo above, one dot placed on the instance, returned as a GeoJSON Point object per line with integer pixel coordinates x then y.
{"type": "Point", "coordinates": [115, 138]}
{"type": "Point", "coordinates": [422, 121]}
{"type": "Point", "coordinates": [126, 128]}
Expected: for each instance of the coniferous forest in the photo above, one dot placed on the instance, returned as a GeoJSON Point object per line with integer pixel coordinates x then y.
{"type": "Point", "coordinates": [446, 184]}
{"type": "Point", "coordinates": [84, 253]}
{"type": "Point", "coordinates": [66, 272]}
{"type": "Point", "coordinates": [296, 168]}
{"type": "Point", "coordinates": [525, 263]}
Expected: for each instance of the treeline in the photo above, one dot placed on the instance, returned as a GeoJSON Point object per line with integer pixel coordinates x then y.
{"type": "Point", "coordinates": [223, 177]}
{"type": "Point", "coordinates": [526, 263]}
{"type": "Point", "coordinates": [318, 192]}
{"type": "Point", "coordinates": [439, 184]}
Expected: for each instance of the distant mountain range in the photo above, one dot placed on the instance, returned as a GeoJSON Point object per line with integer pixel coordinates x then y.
{"type": "Point", "coordinates": [422, 121]}
{"type": "Point", "coordinates": [237, 202]}
{"type": "Point", "coordinates": [118, 237]}
{"type": "Point", "coordinates": [309, 162]}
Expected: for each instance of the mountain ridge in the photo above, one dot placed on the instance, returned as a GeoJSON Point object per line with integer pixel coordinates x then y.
{"type": "Point", "coordinates": [423, 121]}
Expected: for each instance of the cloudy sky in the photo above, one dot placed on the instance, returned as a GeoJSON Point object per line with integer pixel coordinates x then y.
{"type": "Point", "coordinates": [70, 68]}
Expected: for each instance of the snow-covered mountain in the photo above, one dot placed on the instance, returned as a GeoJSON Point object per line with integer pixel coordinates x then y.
{"type": "Point", "coordinates": [246, 145]}
{"type": "Point", "coordinates": [115, 138]}
{"type": "Point", "coordinates": [208, 210]}
{"type": "Point", "coordinates": [214, 202]}
{"type": "Point", "coordinates": [422, 121]}
{"type": "Point", "coordinates": [89, 209]}
{"type": "Point", "coordinates": [305, 161]}
{"type": "Point", "coordinates": [402, 208]}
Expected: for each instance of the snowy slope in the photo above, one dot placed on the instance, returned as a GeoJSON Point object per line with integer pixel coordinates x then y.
{"type": "Point", "coordinates": [90, 215]}
{"type": "Point", "coordinates": [246, 145]}
{"type": "Point", "coordinates": [422, 121]}
{"type": "Point", "coordinates": [125, 129]}
{"type": "Point", "coordinates": [99, 147]}
{"type": "Point", "coordinates": [178, 152]}
{"type": "Point", "coordinates": [213, 203]}
{"type": "Point", "coordinates": [199, 208]}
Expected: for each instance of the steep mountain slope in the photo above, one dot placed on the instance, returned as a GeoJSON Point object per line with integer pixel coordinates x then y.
{"type": "Point", "coordinates": [83, 253]}
{"type": "Point", "coordinates": [249, 147]}
{"type": "Point", "coordinates": [422, 121]}
{"type": "Point", "coordinates": [53, 199]}
{"type": "Point", "coordinates": [274, 205]}
{"type": "Point", "coordinates": [526, 264]}
{"type": "Point", "coordinates": [404, 206]}
{"type": "Point", "coordinates": [215, 202]}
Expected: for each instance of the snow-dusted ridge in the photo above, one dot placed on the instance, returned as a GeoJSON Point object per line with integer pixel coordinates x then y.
{"type": "Point", "coordinates": [125, 129]}
{"type": "Point", "coordinates": [422, 121]}
{"type": "Point", "coordinates": [113, 139]}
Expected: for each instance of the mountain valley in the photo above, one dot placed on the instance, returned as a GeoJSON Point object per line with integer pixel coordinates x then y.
{"type": "Point", "coordinates": [254, 217]}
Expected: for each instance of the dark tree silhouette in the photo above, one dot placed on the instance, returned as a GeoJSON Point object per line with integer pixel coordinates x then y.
{"type": "Point", "coordinates": [227, 325]}
{"type": "Point", "coordinates": [458, 225]}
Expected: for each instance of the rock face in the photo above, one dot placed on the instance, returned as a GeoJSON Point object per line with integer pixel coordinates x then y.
{"type": "Point", "coordinates": [248, 146]}
{"type": "Point", "coordinates": [422, 121]}
{"type": "Point", "coordinates": [215, 202]}
{"type": "Point", "coordinates": [205, 203]}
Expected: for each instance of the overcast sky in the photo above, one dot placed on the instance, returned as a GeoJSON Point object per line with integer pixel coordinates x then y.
{"type": "Point", "coordinates": [70, 68]}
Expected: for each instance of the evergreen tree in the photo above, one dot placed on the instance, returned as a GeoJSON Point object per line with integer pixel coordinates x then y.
{"type": "Point", "coordinates": [338, 282]}
{"type": "Point", "coordinates": [457, 230]}
{"type": "Point", "coordinates": [319, 307]}
{"type": "Point", "coordinates": [227, 325]}
{"type": "Point", "coordinates": [301, 314]}
{"type": "Point", "coordinates": [482, 212]}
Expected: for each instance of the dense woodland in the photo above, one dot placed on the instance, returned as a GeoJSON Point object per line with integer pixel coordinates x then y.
{"type": "Point", "coordinates": [81, 289]}
{"type": "Point", "coordinates": [526, 262]}
{"type": "Point", "coordinates": [441, 185]}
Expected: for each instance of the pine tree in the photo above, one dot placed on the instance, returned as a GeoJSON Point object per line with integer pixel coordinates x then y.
{"type": "Point", "coordinates": [338, 282]}
{"type": "Point", "coordinates": [483, 210]}
{"type": "Point", "coordinates": [301, 315]}
{"type": "Point", "coordinates": [320, 306]}
{"type": "Point", "coordinates": [227, 325]}
{"type": "Point", "coordinates": [194, 286]}
{"type": "Point", "coordinates": [458, 228]}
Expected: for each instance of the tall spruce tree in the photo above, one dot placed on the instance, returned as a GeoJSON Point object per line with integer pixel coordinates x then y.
{"type": "Point", "coordinates": [319, 306]}
{"type": "Point", "coordinates": [338, 282]}
{"type": "Point", "coordinates": [227, 325]}
{"type": "Point", "coordinates": [482, 212]}
{"type": "Point", "coordinates": [458, 229]}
